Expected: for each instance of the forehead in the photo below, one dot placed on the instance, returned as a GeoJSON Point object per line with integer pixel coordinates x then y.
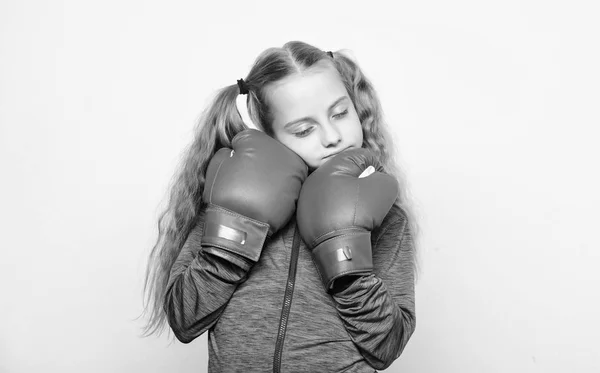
{"type": "Point", "coordinates": [305, 94]}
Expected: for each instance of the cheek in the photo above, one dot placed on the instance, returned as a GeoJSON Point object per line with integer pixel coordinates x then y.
{"type": "Point", "coordinates": [309, 150]}
{"type": "Point", "coordinates": [308, 154]}
{"type": "Point", "coordinates": [355, 131]}
{"type": "Point", "coordinates": [356, 126]}
{"type": "Point", "coordinates": [303, 148]}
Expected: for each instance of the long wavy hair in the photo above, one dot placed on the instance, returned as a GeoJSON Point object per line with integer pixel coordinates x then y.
{"type": "Point", "coordinates": [217, 126]}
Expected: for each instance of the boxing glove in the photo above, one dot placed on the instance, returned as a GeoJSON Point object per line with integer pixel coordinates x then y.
{"type": "Point", "coordinates": [251, 192]}
{"type": "Point", "coordinates": [337, 210]}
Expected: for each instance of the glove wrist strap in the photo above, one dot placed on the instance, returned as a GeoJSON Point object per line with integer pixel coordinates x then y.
{"type": "Point", "coordinates": [347, 254]}
{"type": "Point", "coordinates": [230, 231]}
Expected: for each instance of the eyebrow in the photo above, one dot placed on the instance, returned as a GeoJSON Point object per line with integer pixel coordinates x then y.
{"type": "Point", "coordinates": [289, 124]}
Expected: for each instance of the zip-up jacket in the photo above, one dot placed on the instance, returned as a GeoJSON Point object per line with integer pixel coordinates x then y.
{"type": "Point", "coordinates": [277, 316]}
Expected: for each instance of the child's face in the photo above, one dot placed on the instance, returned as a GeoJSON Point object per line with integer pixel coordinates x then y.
{"type": "Point", "coordinates": [314, 116]}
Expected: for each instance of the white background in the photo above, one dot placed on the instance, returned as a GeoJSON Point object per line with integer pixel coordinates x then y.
{"type": "Point", "coordinates": [494, 107]}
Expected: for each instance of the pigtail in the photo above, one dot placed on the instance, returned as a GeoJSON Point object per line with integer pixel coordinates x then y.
{"type": "Point", "coordinates": [215, 129]}
{"type": "Point", "coordinates": [376, 136]}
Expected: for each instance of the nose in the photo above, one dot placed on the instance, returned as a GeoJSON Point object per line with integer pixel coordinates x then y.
{"type": "Point", "coordinates": [330, 134]}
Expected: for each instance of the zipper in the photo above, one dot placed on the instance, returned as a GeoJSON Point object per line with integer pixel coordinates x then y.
{"type": "Point", "coordinates": [287, 301]}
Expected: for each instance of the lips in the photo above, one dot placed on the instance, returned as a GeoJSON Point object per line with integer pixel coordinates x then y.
{"type": "Point", "coordinates": [331, 155]}
{"type": "Point", "coordinates": [334, 154]}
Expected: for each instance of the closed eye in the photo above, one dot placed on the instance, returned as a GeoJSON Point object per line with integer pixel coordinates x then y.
{"type": "Point", "coordinates": [307, 131]}
{"type": "Point", "coordinates": [341, 115]}
{"type": "Point", "coordinates": [303, 133]}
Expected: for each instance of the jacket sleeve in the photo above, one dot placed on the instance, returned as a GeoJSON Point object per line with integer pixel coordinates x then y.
{"type": "Point", "coordinates": [378, 310]}
{"type": "Point", "coordinates": [199, 287]}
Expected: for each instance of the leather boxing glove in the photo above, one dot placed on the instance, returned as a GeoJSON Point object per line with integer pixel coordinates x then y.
{"type": "Point", "coordinates": [251, 192]}
{"type": "Point", "coordinates": [337, 211]}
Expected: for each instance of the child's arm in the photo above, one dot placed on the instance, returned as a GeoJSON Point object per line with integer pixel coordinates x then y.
{"type": "Point", "coordinates": [378, 310]}
{"type": "Point", "coordinates": [199, 287]}
{"type": "Point", "coordinates": [250, 193]}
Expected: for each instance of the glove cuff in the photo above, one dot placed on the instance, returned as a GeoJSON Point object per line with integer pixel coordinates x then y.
{"type": "Point", "coordinates": [227, 230]}
{"type": "Point", "coordinates": [347, 254]}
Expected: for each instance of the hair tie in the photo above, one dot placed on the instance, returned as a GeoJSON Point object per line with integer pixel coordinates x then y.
{"type": "Point", "coordinates": [242, 86]}
{"type": "Point", "coordinates": [330, 53]}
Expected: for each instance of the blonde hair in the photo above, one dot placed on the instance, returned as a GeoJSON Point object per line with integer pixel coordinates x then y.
{"type": "Point", "coordinates": [215, 129]}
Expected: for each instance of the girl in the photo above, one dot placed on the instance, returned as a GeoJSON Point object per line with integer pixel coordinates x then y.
{"type": "Point", "coordinates": [275, 241]}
